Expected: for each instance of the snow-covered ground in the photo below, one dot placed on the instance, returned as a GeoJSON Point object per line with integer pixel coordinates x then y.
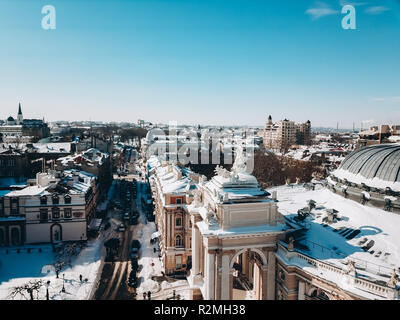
{"type": "Point", "coordinates": [18, 269]}
{"type": "Point", "coordinates": [152, 265]}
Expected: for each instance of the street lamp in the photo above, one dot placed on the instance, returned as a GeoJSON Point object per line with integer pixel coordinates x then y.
{"type": "Point", "coordinates": [63, 288]}
{"type": "Point", "coordinates": [47, 289]}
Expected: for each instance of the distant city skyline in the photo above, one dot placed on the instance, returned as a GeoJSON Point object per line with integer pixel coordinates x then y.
{"type": "Point", "coordinates": [202, 62]}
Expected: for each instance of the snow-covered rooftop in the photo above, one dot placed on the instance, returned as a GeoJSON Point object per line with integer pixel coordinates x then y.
{"type": "Point", "coordinates": [367, 235]}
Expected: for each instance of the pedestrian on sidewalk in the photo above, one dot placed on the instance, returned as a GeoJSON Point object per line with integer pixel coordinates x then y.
{"type": "Point", "coordinates": [149, 295]}
{"type": "Point", "coordinates": [144, 295]}
{"type": "Point", "coordinates": [80, 278]}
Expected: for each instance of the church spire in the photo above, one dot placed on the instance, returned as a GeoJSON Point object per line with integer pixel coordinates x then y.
{"type": "Point", "coordinates": [20, 118]}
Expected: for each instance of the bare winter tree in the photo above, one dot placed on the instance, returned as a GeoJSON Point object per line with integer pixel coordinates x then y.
{"type": "Point", "coordinates": [27, 289]}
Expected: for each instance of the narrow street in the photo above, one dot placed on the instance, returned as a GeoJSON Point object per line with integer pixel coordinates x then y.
{"type": "Point", "coordinates": [113, 284]}
{"type": "Point", "coordinates": [113, 281]}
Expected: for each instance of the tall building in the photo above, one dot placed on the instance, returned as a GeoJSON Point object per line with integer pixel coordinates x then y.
{"type": "Point", "coordinates": [283, 134]}
{"type": "Point", "coordinates": [303, 133]}
{"type": "Point", "coordinates": [170, 185]}
{"type": "Point", "coordinates": [279, 135]}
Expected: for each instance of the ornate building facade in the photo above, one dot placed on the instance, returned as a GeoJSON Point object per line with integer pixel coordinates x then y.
{"type": "Point", "coordinates": [244, 247]}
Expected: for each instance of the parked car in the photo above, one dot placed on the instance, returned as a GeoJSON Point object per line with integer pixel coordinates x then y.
{"type": "Point", "coordinates": [121, 227]}
{"type": "Point", "coordinates": [136, 244]}
{"type": "Point", "coordinates": [126, 216]}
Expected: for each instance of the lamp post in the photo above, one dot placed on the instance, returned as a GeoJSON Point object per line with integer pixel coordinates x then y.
{"type": "Point", "coordinates": [63, 288]}
{"type": "Point", "coordinates": [47, 289]}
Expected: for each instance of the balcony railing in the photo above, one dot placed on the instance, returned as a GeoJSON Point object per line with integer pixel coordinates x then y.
{"type": "Point", "coordinates": [362, 284]}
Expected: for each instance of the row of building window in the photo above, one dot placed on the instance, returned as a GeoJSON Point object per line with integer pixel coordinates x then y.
{"type": "Point", "coordinates": [55, 199]}
{"type": "Point", "coordinates": [7, 163]}
{"type": "Point", "coordinates": [55, 214]}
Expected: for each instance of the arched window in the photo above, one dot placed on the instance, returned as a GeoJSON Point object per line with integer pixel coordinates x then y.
{"type": "Point", "coordinates": [55, 199]}
{"type": "Point", "coordinates": [178, 241]}
{"type": "Point", "coordinates": [43, 200]}
{"type": "Point", "coordinates": [67, 199]}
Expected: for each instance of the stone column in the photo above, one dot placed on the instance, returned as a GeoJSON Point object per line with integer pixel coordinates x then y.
{"type": "Point", "coordinates": [250, 269]}
{"type": "Point", "coordinates": [264, 282]}
{"type": "Point", "coordinates": [245, 263]}
{"type": "Point", "coordinates": [271, 276]}
{"type": "Point", "coordinates": [196, 246]}
{"type": "Point", "coordinates": [225, 275]}
{"type": "Point", "coordinates": [302, 289]}
{"type": "Point", "coordinates": [209, 275]}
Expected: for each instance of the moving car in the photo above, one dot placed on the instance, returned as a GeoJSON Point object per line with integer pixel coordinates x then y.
{"type": "Point", "coordinates": [121, 227]}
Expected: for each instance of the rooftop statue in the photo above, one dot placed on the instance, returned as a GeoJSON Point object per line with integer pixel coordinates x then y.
{"type": "Point", "coordinates": [197, 198]}
{"type": "Point", "coordinates": [394, 278]}
{"type": "Point", "coordinates": [239, 166]}
{"type": "Point", "coordinates": [351, 268]}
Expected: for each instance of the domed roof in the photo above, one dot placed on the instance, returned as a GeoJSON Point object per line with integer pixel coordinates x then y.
{"type": "Point", "coordinates": [373, 163]}
{"type": "Point", "coordinates": [10, 118]}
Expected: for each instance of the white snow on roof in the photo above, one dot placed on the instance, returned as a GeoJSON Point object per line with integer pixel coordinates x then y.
{"type": "Point", "coordinates": [266, 228]}
{"type": "Point", "coordinates": [58, 147]}
{"type": "Point", "coordinates": [358, 178]}
{"type": "Point", "coordinates": [323, 243]}
{"type": "Point", "coordinates": [28, 191]}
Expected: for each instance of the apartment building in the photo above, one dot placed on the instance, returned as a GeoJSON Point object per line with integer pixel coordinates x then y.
{"type": "Point", "coordinates": [54, 207]}
{"type": "Point", "coordinates": [285, 133]}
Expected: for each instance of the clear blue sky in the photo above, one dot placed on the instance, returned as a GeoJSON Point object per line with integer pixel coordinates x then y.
{"type": "Point", "coordinates": [201, 61]}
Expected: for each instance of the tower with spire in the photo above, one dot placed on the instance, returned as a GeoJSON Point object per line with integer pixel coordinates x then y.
{"type": "Point", "coordinates": [20, 118]}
